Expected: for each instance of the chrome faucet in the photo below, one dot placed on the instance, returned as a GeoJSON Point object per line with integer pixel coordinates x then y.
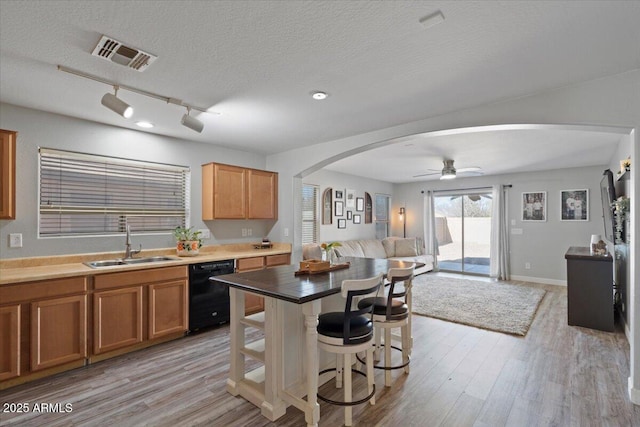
{"type": "Point", "coordinates": [128, 253]}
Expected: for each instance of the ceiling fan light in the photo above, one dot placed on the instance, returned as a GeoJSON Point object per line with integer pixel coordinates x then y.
{"type": "Point", "coordinates": [448, 175]}
{"type": "Point", "coordinates": [117, 105]}
{"type": "Point", "coordinates": [192, 123]}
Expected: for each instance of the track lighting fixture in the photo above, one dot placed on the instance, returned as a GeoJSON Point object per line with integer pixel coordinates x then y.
{"type": "Point", "coordinates": [115, 104]}
{"type": "Point", "coordinates": [112, 102]}
{"type": "Point", "coordinates": [191, 122]}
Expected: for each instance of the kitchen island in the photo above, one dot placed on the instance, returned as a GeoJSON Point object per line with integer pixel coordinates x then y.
{"type": "Point", "coordinates": [289, 350]}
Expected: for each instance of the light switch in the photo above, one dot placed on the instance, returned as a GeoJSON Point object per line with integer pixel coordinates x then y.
{"type": "Point", "coordinates": [15, 240]}
{"type": "Point", "coordinates": [516, 231]}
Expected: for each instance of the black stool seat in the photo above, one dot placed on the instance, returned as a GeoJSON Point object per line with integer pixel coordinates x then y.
{"type": "Point", "coordinates": [399, 310]}
{"type": "Point", "coordinates": [332, 325]}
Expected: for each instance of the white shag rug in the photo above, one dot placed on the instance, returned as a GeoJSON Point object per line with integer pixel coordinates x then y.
{"type": "Point", "coordinates": [497, 306]}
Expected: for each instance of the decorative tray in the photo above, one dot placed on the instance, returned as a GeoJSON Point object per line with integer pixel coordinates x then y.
{"type": "Point", "coordinates": [322, 270]}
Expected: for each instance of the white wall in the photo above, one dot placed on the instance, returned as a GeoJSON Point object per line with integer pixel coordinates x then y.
{"type": "Point", "coordinates": [340, 181]}
{"type": "Point", "coordinates": [40, 129]}
{"type": "Point", "coordinates": [542, 244]}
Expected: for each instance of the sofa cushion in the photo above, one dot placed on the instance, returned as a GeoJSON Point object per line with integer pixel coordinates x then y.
{"type": "Point", "coordinates": [373, 248]}
{"type": "Point", "coordinates": [406, 247]}
{"type": "Point", "coordinates": [350, 248]}
{"type": "Point", "coordinates": [389, 244]}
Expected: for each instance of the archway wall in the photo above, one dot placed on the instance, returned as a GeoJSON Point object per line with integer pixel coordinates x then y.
{"type": "Point", "coordinates": [609, 101]}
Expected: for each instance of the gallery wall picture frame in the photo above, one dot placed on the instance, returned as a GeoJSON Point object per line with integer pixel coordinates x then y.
{"type": "Point", "coordinates": [349, 215]}
{"type": "Point", "coordinates": [360, 204]}
{"type": "Point", "coordinates": [357, 219]}
{"type": "Point", "coordinates": [342, 223]}
{"type": "Point", "coordinates": [534, 206]}
{"type": "Point", "coordinates": [339, 208]}
{"type": "Point", "coordinates": [350, 200]}
{"type": "Point", "coordinates": [339, 194]}
{"type": "Point", "coordinates": [327, 205]}
{"type": "Point", "coordinates": [574, 205]}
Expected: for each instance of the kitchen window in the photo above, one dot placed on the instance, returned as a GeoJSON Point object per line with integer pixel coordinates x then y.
{"type": "Point", "coordinates": [86, 194]}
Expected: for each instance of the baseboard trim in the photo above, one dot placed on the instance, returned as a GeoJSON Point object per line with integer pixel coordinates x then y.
{"type": "Point", "coordinates": [634, 393]}
{"type": "Point", "coordinates": [542, 280]}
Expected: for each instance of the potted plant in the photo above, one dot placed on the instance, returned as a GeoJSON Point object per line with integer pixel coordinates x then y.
{"type": "Point", "coordinates": [188, 242]}
{"type": "Point", "coordinates": [327, 251]}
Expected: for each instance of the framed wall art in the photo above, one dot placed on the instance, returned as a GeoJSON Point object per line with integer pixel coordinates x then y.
{"type": "Point", "coordinates": [339, 208]}
{"type": "Point", "coordinates": [350, 198]}
{"type": "Point", "coordinates": [357, 219]}
{"type": "Point", "coordinates": [327, 204]}
{"type": "Point", "coordinates": [360, 204]}
{"type": "Point", "coordinates": [574, 205]}
{"type": "Point", "coordinates": [339, 194]}
{"type": "Point", "coordinates": [342, 223]}
{"type": "Point", "coordinates": [349, 215]}
{"type": "Point", "coordinates": [534, 206]}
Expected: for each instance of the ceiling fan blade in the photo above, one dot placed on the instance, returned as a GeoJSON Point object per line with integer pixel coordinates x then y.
{"type": "Point", "coordinates": [469, 169]}
{"type": "Point", "coordinates": [427, 174]}
{"type": "Point", "coordinates": [470, 173]}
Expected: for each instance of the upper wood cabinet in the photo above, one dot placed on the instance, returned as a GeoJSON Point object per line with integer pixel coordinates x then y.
{"type": "Point", "coordinates": [232, 192]}
{"type": "Point", "coordinates": [7, 174]}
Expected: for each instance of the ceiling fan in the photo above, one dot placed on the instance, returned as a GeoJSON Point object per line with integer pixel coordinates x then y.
{"type": "Point", "coordinates": [450, 172]}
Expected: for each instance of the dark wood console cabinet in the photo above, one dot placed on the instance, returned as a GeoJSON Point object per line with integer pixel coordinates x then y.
{"type": "Point", "coordinates": [590, 290]}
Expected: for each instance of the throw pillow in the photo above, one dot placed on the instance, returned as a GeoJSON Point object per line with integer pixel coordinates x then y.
{"type": "Point", "coordinates": [389, 244]}
{"type": "Point", "coordinates": [406, 247]}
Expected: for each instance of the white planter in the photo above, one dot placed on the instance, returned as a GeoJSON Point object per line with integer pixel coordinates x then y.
{"type": "Point", "coordinates": [188, 248]}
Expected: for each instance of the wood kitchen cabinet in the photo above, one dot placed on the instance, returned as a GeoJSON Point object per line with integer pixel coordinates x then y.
{"type": "Point", "coordinates": [132, 308]}
{"type": "Point", "coordinates": [58, 331]}
{"type": "Point", "coordinates": [233, 192]}
{"type": "Point", "coordinates": [255, 303]}
{"type": "Point", "coordinates": [7, 174]}
{"type": "Point", "coordinates": [9, 341]}
{"type": "Point", "coordinates": [43, 328]}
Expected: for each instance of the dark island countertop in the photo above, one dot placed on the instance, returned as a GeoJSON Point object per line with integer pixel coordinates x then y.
{"type": "Point", "coordinates": [579, 252]}
{"type": "Point", "coordinates": [282, 283]}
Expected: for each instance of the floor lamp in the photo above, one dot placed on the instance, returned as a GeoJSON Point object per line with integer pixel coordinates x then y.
{"type": "Point", "coordinates": [404, 222]}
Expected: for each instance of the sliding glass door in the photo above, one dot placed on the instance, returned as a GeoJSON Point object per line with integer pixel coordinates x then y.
{"type": "Point", "coordinates": [463, 230]}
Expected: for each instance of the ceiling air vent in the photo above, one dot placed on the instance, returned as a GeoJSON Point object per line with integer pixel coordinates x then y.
{"type": "Point", "coordinates": [114, 51]}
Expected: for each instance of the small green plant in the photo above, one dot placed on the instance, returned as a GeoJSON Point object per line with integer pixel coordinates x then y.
{"type": "Point", "coordinates": [187, 234]}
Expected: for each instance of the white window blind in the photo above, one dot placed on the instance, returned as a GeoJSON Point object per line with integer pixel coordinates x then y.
{"type": "Point", "coordinates": [85, 194]}
{"type": "Point", "coordinates": [310, 223]}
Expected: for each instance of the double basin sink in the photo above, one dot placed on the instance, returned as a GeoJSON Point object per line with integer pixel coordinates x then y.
{"type": "Point", "coordinates": [128, 261]}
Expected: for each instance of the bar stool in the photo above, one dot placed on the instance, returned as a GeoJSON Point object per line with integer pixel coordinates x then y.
{"type": "Point", "coordinates": [346, 333]}
{"type": "Point", "coordinates": [388, 313]}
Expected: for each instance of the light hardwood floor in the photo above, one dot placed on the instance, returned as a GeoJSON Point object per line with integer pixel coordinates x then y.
{"type": "Point", "coordinates": [460, 376]}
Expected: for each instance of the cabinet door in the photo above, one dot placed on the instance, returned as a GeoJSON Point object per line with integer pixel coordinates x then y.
{"type": "Point", "coordinates": [58, 331]}
{"type": "Point", "coordinates": [117, 319]}
{"type": "Point", "coordinates": [168, 312]}
{"type": "Point", "coordinates": [7, 174]}
{"type": "Point", "coordinates": [229, 189]}
{"type": "Point", "coordinates": [9, 342]}
{"type": "Point", "coordinates": [262, 194]}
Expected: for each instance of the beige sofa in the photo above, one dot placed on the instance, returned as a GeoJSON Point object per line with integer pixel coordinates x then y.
{"type": "Point", "coordinates": [403, 249]}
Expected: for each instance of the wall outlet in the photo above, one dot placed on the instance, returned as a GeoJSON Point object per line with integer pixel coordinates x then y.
{"type": "Point", "coordinates": [15, 240]}
{"type": "Point", "coordinates": [205, 233]}
{"type": "Point", "coordinates": [249, 232]}
{"type": "Point", "coordinates": [244, 232]}
{"type": "Point", "coordinates": [527, 266]}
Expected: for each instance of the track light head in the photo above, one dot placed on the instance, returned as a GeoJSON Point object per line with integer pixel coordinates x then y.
{"type": "Point", "coordinates": [115, 104]}
{"type": "Point", "coordinates": [191, 122]}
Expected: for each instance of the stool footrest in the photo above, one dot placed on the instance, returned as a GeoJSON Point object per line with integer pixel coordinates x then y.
{"type": "Point", "coordinates": [387, 368]}
{"type": "Point", "coordinates": [341, 403]}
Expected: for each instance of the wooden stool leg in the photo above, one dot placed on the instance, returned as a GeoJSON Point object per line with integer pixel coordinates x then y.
{"type": "Point", "coordinates": [387, 356]}
{"type": "Point", "coordinates": [406, 346]}
{"type": "Point", "coordinates": [339, 371]}
{"type": "Point", "coordinates": [370, 375]}
{"type": "Point", "coordinates": [348, 417]}
{"type": "Point", "coordinates": [377, 337]}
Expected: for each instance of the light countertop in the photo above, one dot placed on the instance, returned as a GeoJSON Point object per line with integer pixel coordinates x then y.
{"type": "Point", "coordinates": [22, 270]}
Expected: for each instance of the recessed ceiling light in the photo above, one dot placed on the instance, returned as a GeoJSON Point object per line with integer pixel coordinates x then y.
{"type": "Point", "coordinates": [432, 20]}
{"type": "Point", "coordinates": [146, 125]}
{"type": "Point", "coordinates": [319, 95]}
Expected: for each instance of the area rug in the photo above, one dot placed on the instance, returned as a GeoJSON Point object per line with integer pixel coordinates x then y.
{"type": "Point", "coordinates": [497, 306]}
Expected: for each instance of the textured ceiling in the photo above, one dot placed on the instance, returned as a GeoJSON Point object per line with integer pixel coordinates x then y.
{"type": "Point", "coordinates": [256, 62]}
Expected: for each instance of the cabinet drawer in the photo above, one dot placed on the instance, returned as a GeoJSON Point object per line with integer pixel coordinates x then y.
{"type": "Point", "coordinates": [282, 259]}
{"type": "Point", "coordinates": [127, 278]}
{"type": "Point", "coordinates": [27, 292]}
{"type": "Point", "coordinates": [245, 264]}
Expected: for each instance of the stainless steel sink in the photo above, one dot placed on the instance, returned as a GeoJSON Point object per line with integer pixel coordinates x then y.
{"type": "Point", "coordinates": [128, 261]}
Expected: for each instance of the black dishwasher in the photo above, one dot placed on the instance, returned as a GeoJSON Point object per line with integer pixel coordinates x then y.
{"type": "Point", "coordinates": [208, 301]}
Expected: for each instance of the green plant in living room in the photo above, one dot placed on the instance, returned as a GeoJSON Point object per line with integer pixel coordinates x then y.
{"type": "Point", "coordinates": [188, 241]}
